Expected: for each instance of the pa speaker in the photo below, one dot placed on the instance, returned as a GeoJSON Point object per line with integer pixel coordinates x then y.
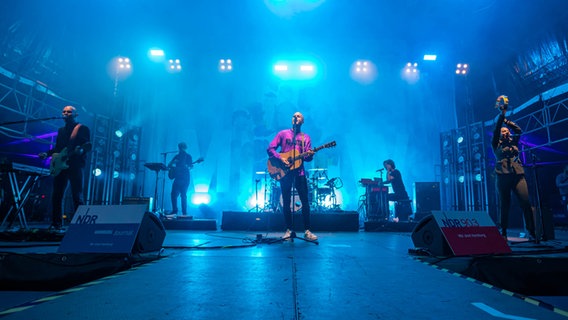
{"type": "Point", "coordinates": [427, 235]}
{"type": "Point", "coordinates": [113, 229]}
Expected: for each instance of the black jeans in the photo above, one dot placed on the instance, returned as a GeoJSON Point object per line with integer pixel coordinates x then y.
{"type": "Point", "coordinates": [517, 184]}
{"type": "Point", "coordinates": [301, 184]}
{"type": "Point", "coordinates": [73, 175]}
{"type": "Point", "coordinates": [179, 188]}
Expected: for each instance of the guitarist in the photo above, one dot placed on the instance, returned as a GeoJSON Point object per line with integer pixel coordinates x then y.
{"type": "Point", "coordinates": [179, 171]}
{"type": "Point", "coordinates": [288, 140]}
{"type": "Point", "coordinates": [73, 138]}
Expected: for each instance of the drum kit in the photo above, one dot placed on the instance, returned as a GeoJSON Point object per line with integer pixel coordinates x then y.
{"type": "Point", "coordinates": [321, 192]}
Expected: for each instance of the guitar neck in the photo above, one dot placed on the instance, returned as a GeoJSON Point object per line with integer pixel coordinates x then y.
{"type": "Point", "coordinates": [303, 154]}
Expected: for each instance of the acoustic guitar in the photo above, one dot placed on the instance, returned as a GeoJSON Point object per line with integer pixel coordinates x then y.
{"type": "Point", "coordinates": [278, 170]}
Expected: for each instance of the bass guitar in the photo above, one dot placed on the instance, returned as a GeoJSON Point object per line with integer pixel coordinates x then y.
{"type": "Point", "coordinates": [172, 169]}
{"type": "Point", "coordinates": [278, 170]}
{"type": "Point", "coordinates": [60, 161]}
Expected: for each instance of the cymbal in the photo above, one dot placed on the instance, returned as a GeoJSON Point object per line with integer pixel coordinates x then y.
{"type": "Point", "coordinates": [261, 172]}
{"type": "Point", "coordinates": [317, 169]}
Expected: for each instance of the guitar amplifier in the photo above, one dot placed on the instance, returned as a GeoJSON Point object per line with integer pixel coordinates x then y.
{"type": "Point", "coordinates": [138, 200]}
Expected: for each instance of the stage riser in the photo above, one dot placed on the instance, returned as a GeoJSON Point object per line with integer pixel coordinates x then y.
{"type": "Point", "coordinates": [387, 226]}
{"type": "Point", "coordinates": [344, 221]}
{"type": "Point", "coordinates": [209, 224]}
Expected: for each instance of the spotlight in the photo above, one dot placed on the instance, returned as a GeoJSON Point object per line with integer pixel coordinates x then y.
{"type": "Point", "coordinates": [225, 65]}
{"type": "Point", "coordinates": [115, 174]}
{"type": "Point", "coordinates": [119, 133]}
{"type": "Point", "coordinates": [306, 68]}
{"type": "Point", "coordinates": [430, 57]}
{"type": "Point", "coordinates": [97, 172]}
{"type": "Point", "coordinates": [460, 139]}
{"type": "Point", "coordinates": [174, 65]}
{"type": "Point", "coordinates": [200, 198]}
{"type": "Point", "coordinates": [157, 53]}
{"type": "Point", "coordinates": [411, 67]}
{"type": "Point", "coordinates": [462, 69]}
{"type": "Point", "coordinates": [280, 68]}
{"type": "Point", "coordinates": [362, 66]}
{"type": "Point", "coordinates": [123, 64]}
{"type": "Point", "coordinates": [363, 71]}
{"type": "Point", "coordinates": [461, 179]}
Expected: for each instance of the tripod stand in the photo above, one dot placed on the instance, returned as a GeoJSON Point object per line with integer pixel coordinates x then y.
{"type": "Point", "coordinates": [256, 207]}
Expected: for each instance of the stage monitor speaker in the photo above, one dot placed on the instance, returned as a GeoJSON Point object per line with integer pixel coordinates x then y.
{"type": "Point", "coordinates": [151, 234]}
{"type": "Point", "coordinates": [427, 235]}
{"type": "Point", "coordinates": [427, 197]}
{"type": "Point", "coordinates": [113, 229]}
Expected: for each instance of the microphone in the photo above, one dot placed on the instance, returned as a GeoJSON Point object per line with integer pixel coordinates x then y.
{"type": "Point", "coordinates": [380, 170]}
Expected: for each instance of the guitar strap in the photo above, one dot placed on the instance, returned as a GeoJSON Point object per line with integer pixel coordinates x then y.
{"type": "Point", "coordinates": [75, 131]}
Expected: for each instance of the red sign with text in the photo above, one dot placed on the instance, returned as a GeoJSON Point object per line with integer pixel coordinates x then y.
{"type": "Point", "coordinates": [471, 232]}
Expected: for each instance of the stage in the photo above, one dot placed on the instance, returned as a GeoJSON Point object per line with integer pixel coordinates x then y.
{"type": "Point", "coordinates": [360, 274]}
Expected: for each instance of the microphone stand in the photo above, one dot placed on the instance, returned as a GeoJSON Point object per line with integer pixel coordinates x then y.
{"type": "Point", "coordinates": [29, 120]}
{"type": "Point", "coordinates": [165, 154]}
{"type": "Point", "coordinates": [539, 223]}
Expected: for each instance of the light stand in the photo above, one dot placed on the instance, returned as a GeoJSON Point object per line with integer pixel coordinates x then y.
{"type": "Point", "coordinates": [256, 207]}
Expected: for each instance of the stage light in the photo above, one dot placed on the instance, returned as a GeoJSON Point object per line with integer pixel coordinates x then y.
{"type": "Point", "coordinates": [157, 55]}
{"type": "Point", "coordinates": [411, 67]}
{"type": "Point", "coordinates": [280, 68]}
{"type": "Point", "coordinates": [411, 73]}
{"type": "Point", "coordinates": [123, 64]}
{"type": "Point", "coordinates": [225, 65]}
{"type": "Point", "coordinates": [430, 57]}
{"type": "Point", "coordinates": [97, 172]}
{"type": "Point", "coordinates": [295, 69]}
{"type": "Point", "coordinates": [446, 180]}
{"type": "Point", "coordinates": [363, 71]}
{"type": "Point", "coordinates": [362, 66]}
{"type": "Point", "coordinates": [460, 139]}
{"type": "Point", "coordinates": [478, 177]}
{"type": "Point", "coordinates": [307, 68]}
{"type": "Point", "coordinates": [462, 68]}
{"type": "Point", "coordinates": [119, 133]}
{"type": "Point", "coordinates": [133, 156]}
{"type": "Point", "coordinates": [132, 176]}
{"type": "Point", "coordinates": [115, 174]}
{"type": "Point", "coordinates": [461, 159]}
{"type": "Point", "coordinates": [157, 52]}
{"type": "Point", "coordinates": [174, 65]}
{"type": "Point", "coordinates": [461, 179]}
{"type": "Point", "coordinates": [200, 198]}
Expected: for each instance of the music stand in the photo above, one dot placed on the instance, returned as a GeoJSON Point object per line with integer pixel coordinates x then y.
{"type": "Point", "coordinates": [156, 167]}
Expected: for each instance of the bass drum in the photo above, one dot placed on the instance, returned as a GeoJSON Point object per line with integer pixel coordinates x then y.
{"type": "Point", "coordinates": [295, 205]}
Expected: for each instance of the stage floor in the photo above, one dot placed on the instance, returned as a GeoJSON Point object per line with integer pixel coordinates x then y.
{"type": "Point", "coordinates": [222, 275]}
